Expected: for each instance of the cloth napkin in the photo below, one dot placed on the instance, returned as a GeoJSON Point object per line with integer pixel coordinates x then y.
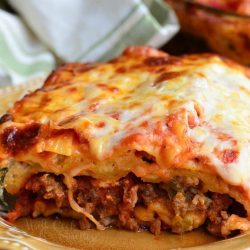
{"type": "Point", "coordinates": [45, 33]}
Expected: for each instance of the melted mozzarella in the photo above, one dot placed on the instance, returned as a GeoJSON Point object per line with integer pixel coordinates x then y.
{"type": "Point", "coordinates": [131, 97]}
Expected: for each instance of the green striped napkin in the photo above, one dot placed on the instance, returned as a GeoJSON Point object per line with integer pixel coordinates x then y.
{"type": "Point", "coordinates": [22, 56]}
{"type": "Point", "coordinates": [76, 30]}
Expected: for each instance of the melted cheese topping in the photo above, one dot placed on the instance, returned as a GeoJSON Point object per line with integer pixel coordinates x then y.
{"type": "Point", "coordinates": [190, 112]}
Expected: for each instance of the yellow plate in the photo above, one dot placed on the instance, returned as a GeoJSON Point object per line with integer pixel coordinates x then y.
{"type": "Point", "coordinates": [39, 233]}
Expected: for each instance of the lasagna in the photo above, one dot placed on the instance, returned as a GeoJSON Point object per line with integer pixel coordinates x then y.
{"type": "Point", "coordinates": [147, 141]}
{"type": "Point", "coordinates": [241, 7]}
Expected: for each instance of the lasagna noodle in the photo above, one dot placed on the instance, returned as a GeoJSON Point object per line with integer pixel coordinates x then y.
{"type": "Point", "coordinates": [181, 204]}
{"type": "Point", "coordinates": [146, 113]}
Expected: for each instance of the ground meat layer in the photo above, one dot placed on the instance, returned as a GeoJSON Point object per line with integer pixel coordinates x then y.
{"type": "Point", "coordinates": [179, 205]}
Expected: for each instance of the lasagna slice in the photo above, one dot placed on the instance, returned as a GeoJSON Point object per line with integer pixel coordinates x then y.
{"type": "Point", "coordinates": [146, 141]}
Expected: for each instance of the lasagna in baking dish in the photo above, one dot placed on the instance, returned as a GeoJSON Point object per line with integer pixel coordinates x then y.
{"type": "Point", "coordinates": [146, 141]}
{"type": "Point", "coordinates": [238, 6]}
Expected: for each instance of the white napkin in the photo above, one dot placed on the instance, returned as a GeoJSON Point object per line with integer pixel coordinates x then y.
{"type": "Point", "coordinates": [89, 30]}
